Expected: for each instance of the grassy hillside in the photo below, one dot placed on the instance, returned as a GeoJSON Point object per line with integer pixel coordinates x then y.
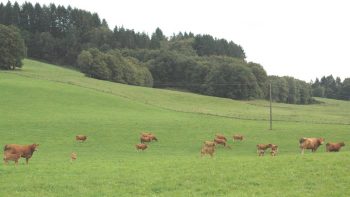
{"type": "Point", "coordinates": [49, 105]}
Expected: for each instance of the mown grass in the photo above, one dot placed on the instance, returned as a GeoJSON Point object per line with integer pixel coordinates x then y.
{"type": "Point", "coordinates": [49, 105]}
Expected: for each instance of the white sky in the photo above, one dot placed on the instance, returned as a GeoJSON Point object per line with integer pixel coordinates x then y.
{"type": "Point", "coordinates": [300, 38]}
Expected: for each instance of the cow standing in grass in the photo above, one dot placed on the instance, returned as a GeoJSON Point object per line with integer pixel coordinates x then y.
{"type": "Point", "coordinates": [310, 143]}
{"type": "Point", "coordinates": [147, 137]}
{"type": "Point", "coordinates": [261, 148]}
{"type": "Point", "coordinates": [208, 148]}
{"type": "Point", "coordinates": [141, 147]}
{"type": "Point", "coordinates": [73, 156]}
{"type": "Point", "coordinates": [12, 151]}
{"type": "Point", "coordinates": [237, 137]}
{"type": "Point", "coordinates": [222, 142]}
{"type": "Point", "coordinates": [334, 147]}
{"type": "Point", "coordinates": [274, 150]}
{"type": "Point", "coordinates": [81, 138]}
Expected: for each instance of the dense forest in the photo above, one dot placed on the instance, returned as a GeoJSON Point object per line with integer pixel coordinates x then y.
{"type": "Point", "coordinates": [198, 63]}
{"type": "Point", "coordinates": [328, 87]}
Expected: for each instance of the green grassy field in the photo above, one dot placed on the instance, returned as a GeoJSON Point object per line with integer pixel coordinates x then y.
{"type": "Point", "coordinates": [49, 105]}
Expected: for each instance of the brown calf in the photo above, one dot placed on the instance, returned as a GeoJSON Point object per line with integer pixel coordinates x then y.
{"type": "Point", "coordinates": [81, 138]}
{"type": "Point", "coordinates": [148, 137]}
{"type": "Point", "coordinates": [261, 148]}
{"type": "Point", "coordinates": [208, 148]}
{"type": "Point", "coordinates": [334, 147]}
{"type": "Point", "coordinates": [73, 156]}
{"type": "Point", "coordinates": [274, 150]}
{"type": "Point", "coordinates": [237, 137]}
{"type": "Point", "coordinates": [141, 146]}
{"type": "Point", "coordinates": [221, 141]}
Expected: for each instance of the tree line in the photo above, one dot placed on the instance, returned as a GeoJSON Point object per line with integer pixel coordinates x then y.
{"type": "Point", "coordinates": [198, 63]}
{"type": "Point", "coordinates": [328, 87]}
{"type": "Point", "coordinates": [58, 34]}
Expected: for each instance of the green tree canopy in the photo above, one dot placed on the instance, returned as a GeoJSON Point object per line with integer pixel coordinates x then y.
{"type": "Point", "coordinates": [12, 48]}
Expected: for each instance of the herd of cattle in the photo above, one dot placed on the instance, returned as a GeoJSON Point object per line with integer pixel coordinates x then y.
{"type": "Point", "coordinates": [304, 143]}
{"type": "Point", "coordinates": [13, 152]}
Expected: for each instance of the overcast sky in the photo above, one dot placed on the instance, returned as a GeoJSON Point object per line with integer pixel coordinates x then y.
{"type": "Point", "coordinates": [300, 38]}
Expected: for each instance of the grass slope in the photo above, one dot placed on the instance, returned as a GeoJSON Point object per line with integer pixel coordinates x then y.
{"type": "Point", "coordinates": [49, 105]}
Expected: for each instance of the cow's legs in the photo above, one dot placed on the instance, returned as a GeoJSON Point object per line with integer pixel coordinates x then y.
{"type": "Point", "coordinates": [27, 160]}
{"type": "Point", "coordinates": [302, 151]}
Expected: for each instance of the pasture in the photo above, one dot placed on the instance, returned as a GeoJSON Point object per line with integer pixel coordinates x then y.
{"type": "Point", "coordinates": [50, 105]}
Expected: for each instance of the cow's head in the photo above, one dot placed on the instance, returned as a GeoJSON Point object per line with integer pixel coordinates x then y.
{"type": "Point", "coordinates": [342, 144]}
{"type": "Point", "coordinates": [34, 147]}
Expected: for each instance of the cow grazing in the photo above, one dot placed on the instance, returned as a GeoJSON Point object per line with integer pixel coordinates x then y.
{"type": "Point", "coordinates": [261, 148]}
{"type": "Point", "coordinates": [310, 143]}
{"type": "Point", "coordinates": [73, 156]}
{"type": "Point", "coordinates": [141, 146]}
{"type": "Point", "coordinates": [26, 151]}
{"type": "Point", "coordinates": [334, 147]}
{"type": "Point", "coordinates": [237, 137]}
{"type": "Point", "coordinates": [8, 156]}
{"type": "Point", "coordinates": [147, 137]}
{"type": "Point", "coordinates": [208, 148]}
{"type": "Point", "coordinates": [221, 141]}
{"type": "Point", "coordinates": [81, 138]}
{"type": "Point", "coordinates": [220, 136]}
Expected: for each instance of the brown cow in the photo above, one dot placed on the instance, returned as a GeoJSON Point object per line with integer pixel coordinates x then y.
{"type": "Point", "coordinates": [221, 141]}
{"type": "Point", "coordinates": [237, 137]}
{"type": "Point", "coordinates": [261, 148]}
{"type": "Point", "coordinates": [208, 148]}
{"type": "Point", "coordinates": [8, 156]}
{"type": "Point", "coordinates": [334, 147]}
{"type": "Point", "coordinates": [220, 136]}
{"type": "Point", "coordinates": [147, 137]}
{"type": "Point", "coordinates": [274, 150]}
{"type": "Point", "coordinates": [73, 156]}
{"type": "Point", "coordinates": [141, 146]}
{"type": "Point", "coordinates": [310, 143]}
{"type": "Point", "coordinates": [26, 151]}
{"type": "Point", "coordinates": [81, 138]}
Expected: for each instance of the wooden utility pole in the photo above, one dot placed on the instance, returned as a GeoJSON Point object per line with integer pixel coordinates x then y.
{"type": "Point", "coordinates": [270, 108]}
